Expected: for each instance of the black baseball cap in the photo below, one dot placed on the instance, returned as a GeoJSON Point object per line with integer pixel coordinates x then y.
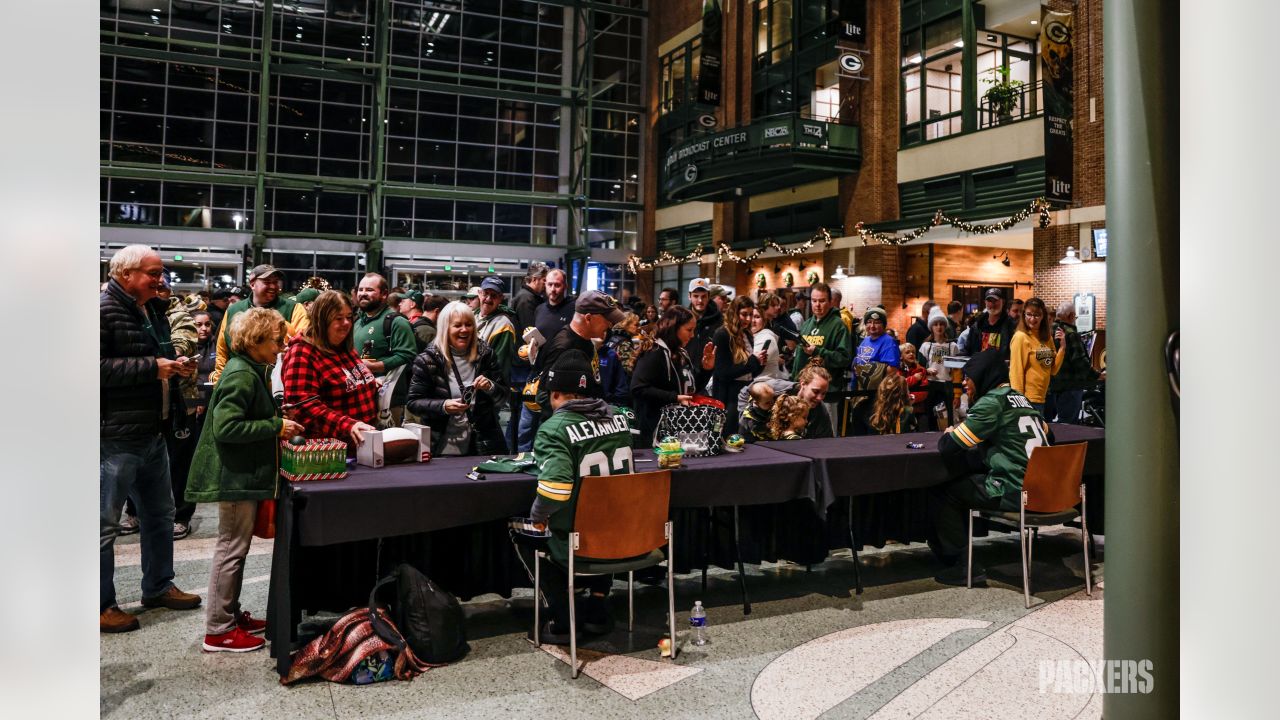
{"type": "Point", "coordinates": [993, 293]}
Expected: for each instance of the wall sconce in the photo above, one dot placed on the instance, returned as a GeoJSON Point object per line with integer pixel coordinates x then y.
{"type": "Point", "coordinates": [1071, 258]}
{"type": "Point", "coordinates": [777, 268]}
{"type": "Point", "coordinates": [1005, 261]}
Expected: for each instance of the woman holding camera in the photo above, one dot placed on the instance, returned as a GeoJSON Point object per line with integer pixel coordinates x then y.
{"type": "Point", "coordinates": [453, 388]}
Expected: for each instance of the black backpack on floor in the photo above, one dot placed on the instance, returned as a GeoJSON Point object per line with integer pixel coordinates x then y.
{"type": "Point", "coordinates": [429, 617]}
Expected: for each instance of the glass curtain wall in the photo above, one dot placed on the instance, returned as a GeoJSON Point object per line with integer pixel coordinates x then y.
{"type": "Point", "coordinates": [474, 102]}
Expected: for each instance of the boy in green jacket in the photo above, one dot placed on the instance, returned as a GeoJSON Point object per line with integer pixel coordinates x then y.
{"type": "Point", "coordinates": [236, 465]}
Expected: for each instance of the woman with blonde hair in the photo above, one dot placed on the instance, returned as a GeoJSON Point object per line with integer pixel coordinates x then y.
{"type": "Point", "coordinates": [735, 362]}
{"type": "Point", "coordinates": [331, 390]}
{"type": "Point", "coordinates": [1033, 361]}
{"type": "Point", "coordinates": [453, 387]}
{"type": "Point", "coordinates": [235, 466]}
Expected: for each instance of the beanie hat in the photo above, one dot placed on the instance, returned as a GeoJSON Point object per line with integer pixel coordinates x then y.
{"type": "Point", "coordinates": [936, 315]}
{"type": "Point", "coordinates": [306, 295]}
{"type": "Point", "coordinates": [572, 373]}
{"type": "Point", "coordinates": [988, 371]}
{"type": "Point", "coordinates": [875, 313]}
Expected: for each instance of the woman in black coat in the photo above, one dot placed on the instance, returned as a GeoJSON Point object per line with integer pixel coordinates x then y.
{"type": "Point", "coordinates": [735, 365]}
{"type": "Point", "coordinates": [456, 388]}
{"type": "Point", "coordinates": [664, 373]}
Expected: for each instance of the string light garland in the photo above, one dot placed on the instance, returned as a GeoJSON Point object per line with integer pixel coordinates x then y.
{"type": "Point", "coordinates": [723, 252]}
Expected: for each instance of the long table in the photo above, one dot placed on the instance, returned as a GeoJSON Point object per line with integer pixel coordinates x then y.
{"type": "Point", "coordinates": [435, 510]}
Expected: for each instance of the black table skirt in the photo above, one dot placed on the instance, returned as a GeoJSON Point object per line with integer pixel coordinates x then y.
{"type": "Point", "coordinates": [477, 557]}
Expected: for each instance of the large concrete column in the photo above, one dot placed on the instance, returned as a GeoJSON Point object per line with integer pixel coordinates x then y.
{"type": "Point", "coordinates": [1140, 47]}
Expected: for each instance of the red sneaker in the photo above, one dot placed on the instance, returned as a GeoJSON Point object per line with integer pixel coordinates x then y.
{"type": "Point", "coordinates": [253, 626]}
{"type": "Point", "coordinates": [235, 641]}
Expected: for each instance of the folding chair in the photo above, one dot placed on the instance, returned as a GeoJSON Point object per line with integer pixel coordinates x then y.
{"type": "Point", "coordinates": [620, 526]}
{"type": "Point", "coordinates": [1051, 489]}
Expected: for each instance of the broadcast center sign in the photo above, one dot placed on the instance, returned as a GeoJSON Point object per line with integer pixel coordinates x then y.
{"type": "Point", "coordinates": [686, 162]}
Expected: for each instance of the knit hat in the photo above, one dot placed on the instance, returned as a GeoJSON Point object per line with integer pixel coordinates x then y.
{"type": "Point", "coordinates": [875, 313]}
{"type": "Point", "coordinates": [306, 295]}
{"type": "Point", "coordinates": [572, 373]}
{"type": "Point", "coordinates": [936, 315]}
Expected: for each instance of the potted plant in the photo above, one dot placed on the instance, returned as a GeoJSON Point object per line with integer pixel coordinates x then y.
{"type": "Point", "coordinates": [1003, 95]}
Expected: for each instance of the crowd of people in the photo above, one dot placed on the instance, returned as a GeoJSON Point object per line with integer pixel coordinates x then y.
{"type": "Point", "coordinates": [198, 392]}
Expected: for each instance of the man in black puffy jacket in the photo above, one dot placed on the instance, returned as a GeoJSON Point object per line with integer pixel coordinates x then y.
{"type": "Point", "coordinates": [139, 403]}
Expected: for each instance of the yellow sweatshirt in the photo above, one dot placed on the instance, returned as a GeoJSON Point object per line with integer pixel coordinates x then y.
{"type": "Point", "coordinates": [1031, 364]}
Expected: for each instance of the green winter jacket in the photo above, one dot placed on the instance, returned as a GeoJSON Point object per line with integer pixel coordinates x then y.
{"type": "Point", "coordinates": [237, 457]}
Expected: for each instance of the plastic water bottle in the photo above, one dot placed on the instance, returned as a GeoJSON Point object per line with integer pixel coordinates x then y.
{"type": "Point", "coordinates": [698, 621]}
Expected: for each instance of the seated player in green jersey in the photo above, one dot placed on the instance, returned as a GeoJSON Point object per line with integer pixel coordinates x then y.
{"type": "Point", "coordinates": [986, 456]}
{"type": "Point", "coordinates": [584, 436]}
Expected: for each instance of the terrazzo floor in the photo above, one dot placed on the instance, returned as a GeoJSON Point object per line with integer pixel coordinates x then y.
{"type": "Point", "coordinates": [908, 647]}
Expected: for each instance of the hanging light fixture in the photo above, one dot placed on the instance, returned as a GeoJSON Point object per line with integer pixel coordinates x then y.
{"type": "Point", "coordinates": [1071, 258]}
{"type": "Point", "coordinates": [839, 274]}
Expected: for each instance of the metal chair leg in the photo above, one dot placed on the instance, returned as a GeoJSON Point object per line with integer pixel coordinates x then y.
{"type": "Point", "coordinates": [1032, 535]}
{"type": "Point", "coordinates": [573, 620]}
{"type": "Point", "coordinates": [853, 548]}
{"type": "Point", "coordinates": [537, 591]}
{"type": "Point", "coordinates": [1024, 536]}
{"type": "Point", "coordinates": [671, 589]}
{"type": "Point", "coordinates": [969, 573]}
{"type": "Point", "coordinates": [1086, 540]}
{"type": "Point", "coordinates": [631, 600]}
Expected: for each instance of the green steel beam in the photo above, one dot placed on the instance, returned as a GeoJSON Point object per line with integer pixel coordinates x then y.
{"type": "Point", "coordinates": [968, 61]}
{"type": "Point", "coordinates": [449, 192]}
{"type": "Point", "coordinates": [144, 171]}
{"type": "Point", "coordinates": [319, 182]}
{"type": "Point", "coordinates": [264, 127]}
{"type": "Point", "coordinates": [181, 57]}
{"type": "Point", "coordinates": [379, 137]}
{"type": "Point", "coordinates": [322, 73]}
{"type": "Point", "coordinates": [167, 42]}
{"type": "Point", "coordinates": [1141, 131]}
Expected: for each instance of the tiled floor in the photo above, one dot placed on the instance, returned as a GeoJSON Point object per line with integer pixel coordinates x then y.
{"type": "Point", "coordinates": [907, 648]}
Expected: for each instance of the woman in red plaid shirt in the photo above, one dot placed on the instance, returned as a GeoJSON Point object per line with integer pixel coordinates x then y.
{"type": "Point", "coordinates": [334, 394]}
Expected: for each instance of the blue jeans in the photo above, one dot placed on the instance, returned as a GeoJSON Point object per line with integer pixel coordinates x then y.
{"type": "Point", "coordinates": [137, 467]}
{"type": "Point", "coordinates": [528, 429]}
{"type": "Point", "coordinates": [1064, 406]}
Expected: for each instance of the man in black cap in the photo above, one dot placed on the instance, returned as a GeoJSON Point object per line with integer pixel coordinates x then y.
{"type": "Point", "coordinates": [594, 313]}
{"type": "Point", "coordinates": [264, 287]}
{"type": "Point", "coordinates": [583, 436]}
{"type": "Point", "coordinates": [994, 329]}
{"type": "Point", "coordinates": [986, 455]}
{"type": "Point", "coordinates": [218, 301]}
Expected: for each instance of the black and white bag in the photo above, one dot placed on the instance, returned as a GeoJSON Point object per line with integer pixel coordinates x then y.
{"type": "Point", "coordinates": [697, 426]}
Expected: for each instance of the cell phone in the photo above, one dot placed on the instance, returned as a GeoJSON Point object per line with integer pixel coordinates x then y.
{"type": "Point", "coordinates": [767, 343]}
{"type": "Point", "coordinates": [193, 358]}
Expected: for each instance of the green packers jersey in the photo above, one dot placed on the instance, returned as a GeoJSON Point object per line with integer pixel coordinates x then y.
{"type": "Point", "coordinates": [568, 447]}
{"type": "Point", "coordinates": [1011, 429]}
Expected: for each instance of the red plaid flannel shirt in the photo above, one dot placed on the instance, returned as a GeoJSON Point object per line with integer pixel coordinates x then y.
{"type": "Point", "coordinates": [348, 391]}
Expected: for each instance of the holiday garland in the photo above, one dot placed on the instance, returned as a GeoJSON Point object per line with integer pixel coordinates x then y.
{"type": "Point", "coordinates": [723, 251]}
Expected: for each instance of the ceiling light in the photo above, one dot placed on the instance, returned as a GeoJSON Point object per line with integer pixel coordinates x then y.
{"type": "Point", "coordinates": [1071, 258]}
{"type": "Point", "coordinates": [1035, 22]}
{"type": "Point", "coordinates": [839, 274]}
{"type": "Point", "coordinates": [958, 43]}
{"type": "Point", "coordinates": [913, 60]}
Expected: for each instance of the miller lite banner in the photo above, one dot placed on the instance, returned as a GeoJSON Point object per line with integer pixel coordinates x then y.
{"type": "Point", "coordinates": [1056, 60]}
{"type": "Point", "coordinates": [709, 75]}
{"type": "Point", "coordinates": [851, 16]}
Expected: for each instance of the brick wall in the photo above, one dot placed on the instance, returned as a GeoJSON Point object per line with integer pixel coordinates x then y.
{"type": "Point", "coordinates": [1056, 282]}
